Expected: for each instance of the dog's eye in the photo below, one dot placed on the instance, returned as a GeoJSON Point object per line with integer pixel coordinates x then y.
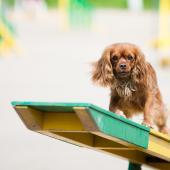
{"type": "Point", "coordinates": [130, 57]}
{"type": "Point", "coordinates": [114, 58]}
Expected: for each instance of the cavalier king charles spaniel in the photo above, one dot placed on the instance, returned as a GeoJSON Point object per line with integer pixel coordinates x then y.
{"type": "Point", "coordinates": [133, 84]}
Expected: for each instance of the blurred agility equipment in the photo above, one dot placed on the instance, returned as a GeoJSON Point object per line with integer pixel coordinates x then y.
{"type": "Point", "coordinates": [162, 43]}
{"type": "Point", "coordinates": [163, 40]}
{"type": "Point", "coordinates": [90, 126]}
{"type": "Point", "coordinates": [74, 13]}
{"type": "Point", "coordinates": [164, 61]}
{"type": "Point", "coordinates": [7, 38]}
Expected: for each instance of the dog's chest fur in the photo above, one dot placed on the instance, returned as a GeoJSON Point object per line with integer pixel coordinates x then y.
{"type": "Point", "coordinates": [130, 97]}
{"type": "Point", "coordinates": [125, 89]}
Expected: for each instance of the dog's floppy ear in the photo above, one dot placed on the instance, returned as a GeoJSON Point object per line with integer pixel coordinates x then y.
{"type": "Point", "coordinates": [140, 70]}
{"type": "Point", "coordinates": [102, 70]}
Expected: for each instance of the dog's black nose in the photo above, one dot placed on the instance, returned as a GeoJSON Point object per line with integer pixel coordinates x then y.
{"type": "Point", "coordinates": [122, 66]}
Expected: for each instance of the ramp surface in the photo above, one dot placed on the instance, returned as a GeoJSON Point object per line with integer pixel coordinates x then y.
{"type": "Point", "coordinates": [90, 126]}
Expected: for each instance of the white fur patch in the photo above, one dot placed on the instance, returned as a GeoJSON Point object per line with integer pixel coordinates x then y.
{"type": "Point", "coordinates": [124, 89]}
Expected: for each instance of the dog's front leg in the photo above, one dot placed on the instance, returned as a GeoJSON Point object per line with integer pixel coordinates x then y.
{"type": "Point", "coordinates": [113, 107]}
{"type": "Point", "coordinates": [147, 117]}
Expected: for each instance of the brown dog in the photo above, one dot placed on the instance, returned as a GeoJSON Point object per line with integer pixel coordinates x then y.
{"type": "Point", "coordinates": [133, 84]}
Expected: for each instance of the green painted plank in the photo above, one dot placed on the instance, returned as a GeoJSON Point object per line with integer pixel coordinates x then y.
{"type": "Point", "coordinates": [108, 122]}
{"type": "Point", "coordinates": [68, 107]}
{"type": "Point", "coordinates": [124, 130]}
{"type": "Point", "coordinates": [51, 106]}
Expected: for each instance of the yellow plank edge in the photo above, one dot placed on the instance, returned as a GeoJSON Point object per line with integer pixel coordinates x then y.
{"type": "Point", "coordinates": [159, 145]}
{"type": "Point", "coordinates": [85, 119]}
{"type": "Point", "coordinates": [32, 118]}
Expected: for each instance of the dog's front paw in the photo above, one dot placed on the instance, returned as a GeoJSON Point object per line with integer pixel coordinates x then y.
{"type": "Point", "coordinates": [147, 124]}
{"type": "Point", "coordinates": [120, 114]}
{"type": "Point", "coordinates": [165, 130]}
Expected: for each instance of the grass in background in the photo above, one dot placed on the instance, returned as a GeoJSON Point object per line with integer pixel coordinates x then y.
{"type": "Point", "coordinates": [109, 3]}
{"type": "Point", "coordinates": [151, 4]}
{"type": "Point", "coordinates": [52, 3]}
{"type": "Point", "coordinates": [121, 4]}
{"type": "Point", "coordinates": [96, 3]}
{"type": "Point", "coordinates": [9, 2]}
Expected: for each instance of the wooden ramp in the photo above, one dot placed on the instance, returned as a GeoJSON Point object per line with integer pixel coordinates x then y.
{"type": "Point", "coordinates": [89, 126]}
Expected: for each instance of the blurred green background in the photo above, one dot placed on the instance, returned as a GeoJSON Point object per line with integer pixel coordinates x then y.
{"type": "Point", "coordinates": [122, 4]}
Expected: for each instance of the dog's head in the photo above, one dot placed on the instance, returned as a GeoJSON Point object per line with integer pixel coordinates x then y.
{"type": "Point", "coordinates": [121, 61]}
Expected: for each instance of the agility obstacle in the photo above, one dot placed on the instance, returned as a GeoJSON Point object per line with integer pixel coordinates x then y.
{"type": "Point", "coordinates": [7, 33]}
{"type": "Point", "coordinates": [74, 14]}
{"type": "Point", "coordinates": [90, 126]}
